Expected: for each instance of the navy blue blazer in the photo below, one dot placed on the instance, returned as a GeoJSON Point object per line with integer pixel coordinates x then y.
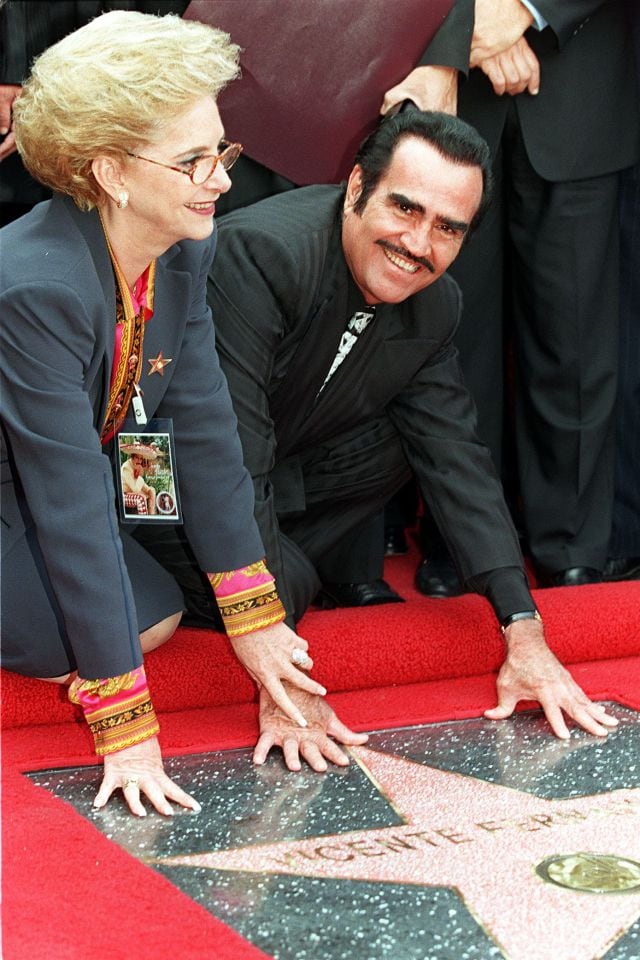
{"type": "Point", "coordinates": [57, 297]}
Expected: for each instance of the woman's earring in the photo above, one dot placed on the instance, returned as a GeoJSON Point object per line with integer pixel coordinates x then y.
{"type": "Point", "coordinates": [123, 200]}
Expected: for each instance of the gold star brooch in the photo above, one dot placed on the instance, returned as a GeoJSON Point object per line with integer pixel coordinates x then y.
{"type": "Point", "coordinates": [158, 364]}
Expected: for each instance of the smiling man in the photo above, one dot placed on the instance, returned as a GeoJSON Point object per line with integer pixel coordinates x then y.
{"type": "Point", "coordinates": [335, 319]}
{"type": "Point", "coordinates": [418, 211]}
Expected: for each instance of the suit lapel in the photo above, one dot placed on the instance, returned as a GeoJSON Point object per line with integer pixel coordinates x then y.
{"type": "Point", "coordinates": [164, 331]}
{"type": "Point", "coordinates": [320, 333]}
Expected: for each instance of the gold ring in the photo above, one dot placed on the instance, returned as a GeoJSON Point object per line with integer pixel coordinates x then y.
{"type": "Point", "coordinates": [130, 782]}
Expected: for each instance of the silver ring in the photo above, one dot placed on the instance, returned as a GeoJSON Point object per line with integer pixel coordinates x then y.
{"type": "Point", "coordinates": [299, 657]}
{"type": "Point", "coordinates": [130, 782]}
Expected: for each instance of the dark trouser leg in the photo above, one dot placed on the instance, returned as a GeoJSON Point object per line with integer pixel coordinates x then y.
{"type": "Point", "coordinates": [358, 557]}
{"type": "Point", "coordinates": [625, 530]}
{"type": "Point", "coordinates": [347, 482]}
{"type": "Point", "coordinates": [565, 286]}
{"type": "Point", "coordinates": [400, 512]}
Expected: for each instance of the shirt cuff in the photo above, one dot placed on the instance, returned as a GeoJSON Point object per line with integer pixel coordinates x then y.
{"type": "Point", "coordinates": [539, 21]}
{"type": "Point", "coordinates": [506, 590]}
{"type": "Point", "coordinates": [247, 599]}
{"type": "Point", "coordinates": [118, 710]}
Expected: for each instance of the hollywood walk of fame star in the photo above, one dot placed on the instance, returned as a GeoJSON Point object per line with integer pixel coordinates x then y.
{"type": "Point", "coordinates": [158, 364]}
{"type": "Point", "coordinates": [483, 840]}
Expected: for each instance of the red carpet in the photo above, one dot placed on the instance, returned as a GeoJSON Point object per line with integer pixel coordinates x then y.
{"type": "Point", "coordinates": [69, 893]}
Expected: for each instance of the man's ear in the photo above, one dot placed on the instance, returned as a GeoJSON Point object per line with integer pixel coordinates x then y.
{"type": "Point", "coordinates": [109, 175]}
{"type": "Point", "coordinates": [354, 188]}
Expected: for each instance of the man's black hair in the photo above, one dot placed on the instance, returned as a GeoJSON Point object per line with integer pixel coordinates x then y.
{"type": "Point", "coordinates": [452, 137]}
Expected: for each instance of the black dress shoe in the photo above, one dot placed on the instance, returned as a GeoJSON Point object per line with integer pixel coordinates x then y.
{"type": "Point", "coordinates": [624, 568]}
{"type": "Point", "coordinates": [368, 594]}
{"type": "Point", "coordinates": [572, 577]}
{"type": "Point", "coordinates": [438, 577]}
{"type": "Point", "coordinates": [395, 542]}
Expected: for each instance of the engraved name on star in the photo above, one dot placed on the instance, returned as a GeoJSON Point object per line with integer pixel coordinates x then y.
{"type": "Point", "coordinates": [481, 839]}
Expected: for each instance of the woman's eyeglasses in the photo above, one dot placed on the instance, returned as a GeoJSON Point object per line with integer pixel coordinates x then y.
{"type": "Point", "coordinates": [200, 170]}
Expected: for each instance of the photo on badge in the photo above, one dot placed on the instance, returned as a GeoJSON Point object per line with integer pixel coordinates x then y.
{"type": "Point", "coordinates": [146, 480]}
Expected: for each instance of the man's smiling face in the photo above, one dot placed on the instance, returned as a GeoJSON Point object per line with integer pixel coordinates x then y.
{"type": "Point", "coordinates": [413, 224]}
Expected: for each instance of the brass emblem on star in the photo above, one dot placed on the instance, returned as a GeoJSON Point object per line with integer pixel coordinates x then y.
{"type": "Point", "coordinates": [591, 872]}
{"type": "Point", "coordinates": [158, 364]}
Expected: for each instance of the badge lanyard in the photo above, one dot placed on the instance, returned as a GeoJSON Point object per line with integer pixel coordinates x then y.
{"type": "Point", "coordinates": [144, 451]}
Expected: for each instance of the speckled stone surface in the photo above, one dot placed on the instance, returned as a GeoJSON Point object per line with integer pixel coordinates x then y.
{"type": "Point", "coordinates": [467, 840]}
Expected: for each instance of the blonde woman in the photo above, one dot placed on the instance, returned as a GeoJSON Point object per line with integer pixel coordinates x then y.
{"type": "Point", "coordinates": [104, 320]}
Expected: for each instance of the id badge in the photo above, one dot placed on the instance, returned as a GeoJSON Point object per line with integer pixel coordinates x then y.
{"type": "Point", "coordinates": [147, 482]}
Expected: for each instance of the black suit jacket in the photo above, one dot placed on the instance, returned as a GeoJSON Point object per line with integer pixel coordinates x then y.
{"type": "Point", "coordinates": [57, 298]}
{"type": "Point", "coordinates": [585, 120]}
{"type": "Point", "coordinates": [279, 295]}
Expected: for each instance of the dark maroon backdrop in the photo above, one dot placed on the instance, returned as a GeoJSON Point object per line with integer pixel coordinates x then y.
{"type": "Point", "coordinates": [314, 73]}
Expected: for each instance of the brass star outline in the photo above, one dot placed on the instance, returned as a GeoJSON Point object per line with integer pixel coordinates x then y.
{"type": "Point", "coordinates": [481, 839]}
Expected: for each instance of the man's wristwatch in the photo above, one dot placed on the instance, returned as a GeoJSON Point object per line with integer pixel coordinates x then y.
{"type": "Point", "coordinates": [525, 615]}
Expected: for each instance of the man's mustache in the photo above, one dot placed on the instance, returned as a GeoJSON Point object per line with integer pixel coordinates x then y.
{"type": "Point", "coordinates": [402, 252]}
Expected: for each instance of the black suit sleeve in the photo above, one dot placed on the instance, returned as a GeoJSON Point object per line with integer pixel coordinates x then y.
{"type": "Point", "coordinates": [452, 43]}
{"type": "Point", "coordinates": [435, 417]}
{"type": "Point", "coordinates": [451, 46]}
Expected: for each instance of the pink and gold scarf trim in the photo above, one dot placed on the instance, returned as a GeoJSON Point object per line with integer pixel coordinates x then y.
{"type": "Point", "coordinates": [247, 599]}
{"type": "Point", "coordinates": [118, 710]}
{"type": "Point", "coordinates": [130, 319]}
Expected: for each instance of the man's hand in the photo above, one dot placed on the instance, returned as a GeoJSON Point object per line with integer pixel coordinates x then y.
{"type": "Point", "coordinates": [137, 770]}
{"type": "Point", "coordinates": [513, 70]}
{"type": "Point", "coordinates": [498, 25]}
{"type": "Point", "coordinates": [267, 655]}
{"type": "Point", "coordinates": [532, 672]}
{"type": "Point", "coordinates": [430, 88]}
{"type": "Point", "coordinates": [8, 93]}
{"type": "Point", "coordinates": [313, 743]}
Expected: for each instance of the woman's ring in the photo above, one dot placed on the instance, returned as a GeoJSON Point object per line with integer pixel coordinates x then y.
{"type": "Point", "coordinates": [299, 657]}
{"type": "Point", "coordinates": [130, 782]}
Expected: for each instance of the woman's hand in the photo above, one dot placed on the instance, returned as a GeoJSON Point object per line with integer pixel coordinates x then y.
{"type": "Point", "coordinates": [312, 743]}
{"type": "Point", "coordinates": [137, 770]}
{"type": "Point", "coordinates": [270, 655]}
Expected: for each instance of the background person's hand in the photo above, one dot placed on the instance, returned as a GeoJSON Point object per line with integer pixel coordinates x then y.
{"type": "Point", "coordinates": [514, 70]}
{"type": "Point", "coordinates": [267, 655]}
{"type": "Point", "coordinates": [532, 672]}
{"type": "Point", "coordinates": [138, 770]}
{"type": "Point", "coordinates": [429, 87]}
{"type": "Point", "coordinates": [313, 743]}
{"type": "Point", "coordinates": [8, 93]}
{"type": "Point", "coordinates": [498, 24]}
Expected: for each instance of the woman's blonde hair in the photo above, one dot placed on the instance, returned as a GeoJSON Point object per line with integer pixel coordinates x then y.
{"type": "Point", "coordinates": [110, 87]}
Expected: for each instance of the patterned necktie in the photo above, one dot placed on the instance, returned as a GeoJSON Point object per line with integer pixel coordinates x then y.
{"type": "Point", "coordinates": [355, 328]}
